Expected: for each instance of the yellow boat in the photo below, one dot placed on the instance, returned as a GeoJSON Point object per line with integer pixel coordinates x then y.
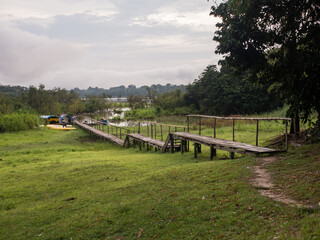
{"type": "Point", "coordinates": [60, 127]}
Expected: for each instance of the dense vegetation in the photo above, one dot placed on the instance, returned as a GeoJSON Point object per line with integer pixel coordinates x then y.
{"type": "Point", "coordinates": [223, 93]}
{"type": "Point", "coordinates": [215, 92]}
{"type": "Point", "coordinates": [278, 42]}
{"type": "Point", "coordinates": [123, 91]}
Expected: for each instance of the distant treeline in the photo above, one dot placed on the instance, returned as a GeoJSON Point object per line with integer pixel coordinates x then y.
{"type": "Point", "coordinates": [215, 92]}
{"type": "Point", "coordinates": [131, 90]}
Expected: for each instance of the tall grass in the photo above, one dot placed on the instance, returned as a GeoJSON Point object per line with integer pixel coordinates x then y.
{"type": "Point", "coordinates": [15, 122]}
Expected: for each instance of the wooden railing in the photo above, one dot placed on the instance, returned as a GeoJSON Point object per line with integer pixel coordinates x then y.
{"type": "Point", "coordinates": [233, 119]}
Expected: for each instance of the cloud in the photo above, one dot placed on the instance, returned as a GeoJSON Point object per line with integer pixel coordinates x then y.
{"type": "Point", "coordinates": [43, 12]}
{"type": "Point", "coordinates": [82, 43]}
{"type": "Point", "coordinates": [83, 78]}
{"type": "Point", "coordinates": [199, 21]}
{"type": "Point", "coordinates": [25, 56]}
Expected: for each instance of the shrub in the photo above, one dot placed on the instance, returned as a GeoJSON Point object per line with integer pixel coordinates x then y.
{"type": "Point", "coordinates": [19, 122]}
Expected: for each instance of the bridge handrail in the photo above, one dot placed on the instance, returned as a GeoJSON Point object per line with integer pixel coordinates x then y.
{"type": "Point", "coordinates": [240, 118]}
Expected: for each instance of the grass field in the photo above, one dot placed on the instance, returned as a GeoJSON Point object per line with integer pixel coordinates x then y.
{"type": "Point", "coordinates": [68, 185]}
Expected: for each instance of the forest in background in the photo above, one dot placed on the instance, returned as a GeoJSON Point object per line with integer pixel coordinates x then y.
{"type": "Point", "coordinates": [215, 92]}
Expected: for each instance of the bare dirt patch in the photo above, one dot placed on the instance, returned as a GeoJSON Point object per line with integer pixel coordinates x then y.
{"type": "Point", "coordinates": [263, 182]}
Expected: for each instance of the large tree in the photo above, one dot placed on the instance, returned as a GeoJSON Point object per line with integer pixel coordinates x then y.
{"type": "Point", "coordinates": [222, 93]}
{"type": "Point", "coordinates": [279, 42]}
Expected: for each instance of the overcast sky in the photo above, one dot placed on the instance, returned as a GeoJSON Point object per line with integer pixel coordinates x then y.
{"type": "Point", "coordinates": [104, 43]}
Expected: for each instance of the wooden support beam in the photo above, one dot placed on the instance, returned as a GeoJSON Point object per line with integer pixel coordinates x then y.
{"type": "Point", "coordinates": [151, 125]}
{"type": "Point", "coordinates": [213, 152]}
{"type": "Point", "coordinates": [257, 134]}
{"type": "Point", "coordinates": [232, 155]}
{"type": "Point", "coordinates": [171, 143]}
{"type": "Point", "coordinates": [195, 150]}
{"type": "Point", "coordinates": [182, 146]}
{"type": "Point", "coordinates": [232, 129]}
{"type": "Point", "coordinates": [214, 128]}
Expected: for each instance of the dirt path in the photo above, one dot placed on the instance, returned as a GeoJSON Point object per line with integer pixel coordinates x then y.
{"type": "Point", "coordinates": [263, 182]}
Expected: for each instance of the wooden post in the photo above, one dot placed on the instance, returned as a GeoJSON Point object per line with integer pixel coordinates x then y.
{"type": "Point", "coordinates": [139, 128]}
{"type": "Point", "coordinates": [200, 126]}
{"type": "Point", "coordinates": [232, 155]}
{"type": "Point", "coordinates": [155, 131]}
{"type": "Point", "coordinates": [161, 132]}
{"type": "Point", "coordinates": [214, 128]}
{"type": "Point", "coordinates": [286, 125]}
{"type": "Point", "coordinates": [171, 144]}
{"type": "Point", "coordinates": [111, 130]}
{"type": "Point", "coordinates": [195, 150]}
{"type": "Point", "coordinates": [140, 145]}
{"type": "Point", "coordinates": [232, 129]}
{"type": "Point", "coordinates": [116, 132]}
{"type": "Point", "coordinates": [120, 133]}
{"type": "Point", "coordinates": [213, 152]}
{"type": "Point", "coordinates": [257, 134]}
{"type": "Point", "coordinates": [182, 146]}
{"type": "Point", "coordinates": [151, 125]}
{"type": "Point", "coordinates": [147, 129]}
{"type": "Point", "coordinates": [188, 128]}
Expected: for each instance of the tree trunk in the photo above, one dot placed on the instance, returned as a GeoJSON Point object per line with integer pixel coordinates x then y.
{"type": "Point", "coordinates": [295, 125]}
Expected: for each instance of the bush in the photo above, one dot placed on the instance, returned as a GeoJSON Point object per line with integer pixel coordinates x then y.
{"type": "Point", "coordinates": [141, 113]}
{"type": "Point", "coordinates": [19, 122]}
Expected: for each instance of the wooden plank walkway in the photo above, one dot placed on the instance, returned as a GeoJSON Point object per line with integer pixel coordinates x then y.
{"type": "Point", "coordinates": [143, 139]}
{"type": "Point", "coordinates": [216, 143]}
{"type": "Point", "coordinates": [101, 134]}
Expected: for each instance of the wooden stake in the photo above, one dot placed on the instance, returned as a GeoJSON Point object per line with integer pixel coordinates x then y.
{"type": "Point", "coordinates": [257, 134]}
{"type": "Point", "coordinates": [232, 129]}
{"type": "Point", "coordinates": [214, 128]}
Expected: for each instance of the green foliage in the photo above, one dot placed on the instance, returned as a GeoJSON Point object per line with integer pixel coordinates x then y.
{"type": "Point", "coordinates": [169, 101]}
{"type": "Point", "coordinates": [55, 101]}
{"type": "Point", "coordinates": [94, 103]}
{"type": "Point", "coordinates": [141, 113]}
{"type": "Point", "coordinates": [278, 41]}
{"type": "Point", "coordinates": [19, 122]}
{"type": "Point", "coordinates": [224, 93]}
{"type": "Point", "coordinates": [130, 90]}
{"type": "Point", "coordinates": [135, 102]}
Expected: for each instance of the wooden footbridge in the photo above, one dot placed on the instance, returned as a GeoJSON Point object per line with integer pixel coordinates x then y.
{"type": "Point", "coordinates": [179, 140]}
{"type": "Point", "coordinates": [101, 134]}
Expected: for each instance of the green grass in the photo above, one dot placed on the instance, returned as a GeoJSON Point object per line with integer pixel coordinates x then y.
{"type": "Point", "coordinates": [68, 185]}
{"type": "Point", "coordinates": [298, 174]}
